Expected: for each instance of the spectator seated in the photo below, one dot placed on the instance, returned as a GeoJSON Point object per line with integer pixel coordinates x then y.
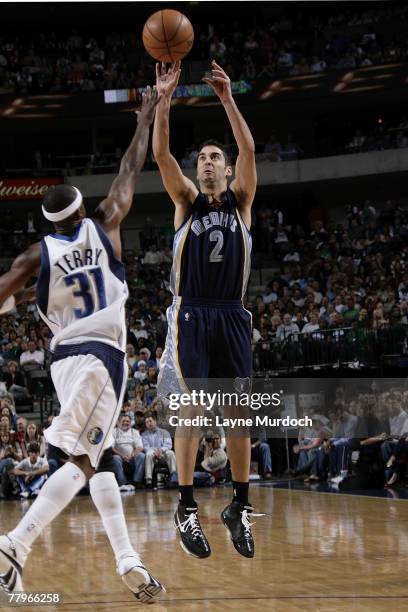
{"type": "Point", "coordinates": [31, 472]}
{"type": "Point", "coordinates": [128, 455]}
{"type": "Point", "coordinates": [157, 445]}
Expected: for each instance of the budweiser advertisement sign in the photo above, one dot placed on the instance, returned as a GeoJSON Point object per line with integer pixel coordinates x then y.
{"type": "Point", "coordinates": [26, 189]}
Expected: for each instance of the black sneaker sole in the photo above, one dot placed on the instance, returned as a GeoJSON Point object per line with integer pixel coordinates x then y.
{"type": "Point", "coordinates": [149, 593]}
{"type": "Point", "coordinates": [145, 592]}
{"type": "Point", "coordinates": [184, 547]}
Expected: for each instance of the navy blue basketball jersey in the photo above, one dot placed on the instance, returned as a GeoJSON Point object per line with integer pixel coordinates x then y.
{"type": "Point", "coordinates": [212, 252]}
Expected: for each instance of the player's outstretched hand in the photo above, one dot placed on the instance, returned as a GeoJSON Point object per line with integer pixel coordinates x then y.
{"type": "Point", "coordinates": [167, 80]}
{"type": "Point", "coordinates": [150, 99]}
{"type": "Point", "coordinates": [219, 81]}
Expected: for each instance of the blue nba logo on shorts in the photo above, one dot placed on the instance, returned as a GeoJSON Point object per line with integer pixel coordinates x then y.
{"type": "Point", "coordinates": [95, 435]}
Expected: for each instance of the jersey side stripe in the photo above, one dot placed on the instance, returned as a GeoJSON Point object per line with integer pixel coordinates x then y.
{"type": "Point", "coordinates": [247, 241]}
{"type": "Point", "coordinates": [178, 247]}
{"type": "Point", "coordinates": [43, 283]}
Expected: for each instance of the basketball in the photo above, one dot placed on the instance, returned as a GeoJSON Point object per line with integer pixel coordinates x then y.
{"type": "Point", "coordinates": [168, 36]}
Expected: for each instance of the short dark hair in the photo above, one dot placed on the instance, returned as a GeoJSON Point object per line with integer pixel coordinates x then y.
{"type": "Point", "coordinates": [33, 448]}
{"type": "Point", "coordinates": [58, 197]}
{"type": "Point", "coordinates": [151, 415]}
{"type": "Point", "coordinates": [219, 145]}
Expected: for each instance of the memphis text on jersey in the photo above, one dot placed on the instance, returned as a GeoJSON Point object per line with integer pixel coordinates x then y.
{"type": "Point", "coordinates": [220, 218]}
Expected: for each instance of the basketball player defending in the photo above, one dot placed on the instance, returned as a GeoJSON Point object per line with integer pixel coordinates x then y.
{"type": "Point", "coordinates": [209, 329]}
{"type": "Point", "coordinates": [81, 294]}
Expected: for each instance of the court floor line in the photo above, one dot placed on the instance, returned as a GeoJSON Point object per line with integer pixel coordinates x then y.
{"type": "Point", "coordinates": [343, 493]}
{"type": "Point", "coordinates": [244, 598]}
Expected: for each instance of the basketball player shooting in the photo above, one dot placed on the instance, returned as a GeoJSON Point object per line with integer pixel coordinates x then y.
{"type": "Point", "coordinates": [81, 294]}
{"type": "Point", "coordinates": [208, 328]}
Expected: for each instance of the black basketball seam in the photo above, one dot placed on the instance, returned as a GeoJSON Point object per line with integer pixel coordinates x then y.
{"type": "Point", "coordinates": [156, 48]}
{"type": "Point", "coordinates": [165, 36]}
{"type": "Point", "coordinates": [174, 46]}
{"type": "Point", "coordinates": [151, 33]}
{"type": "Point", "coordinates": [177, 28]}
{"type": "Point", "coordinates": [182, 41]}
{"type": "Point", "coordinates": [178, 53]}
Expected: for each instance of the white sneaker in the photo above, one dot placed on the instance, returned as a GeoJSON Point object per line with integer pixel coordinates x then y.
{"type": "Point", "coordinates": [337, 480]}
{"type": "Point", "coordinates": [143, 585]}
{"type": "Point", "coordinates": [25, 494]}
{"type": "Point", "coordinates": [127, 488]}
{"type": "Point", "coordinates": [11, 566]}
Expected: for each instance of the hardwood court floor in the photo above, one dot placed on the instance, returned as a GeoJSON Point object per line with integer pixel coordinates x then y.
{"type": "Point", "coordinates": [313, 552]}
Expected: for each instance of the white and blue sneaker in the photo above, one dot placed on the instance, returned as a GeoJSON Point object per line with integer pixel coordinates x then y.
{"type": "Point", "coordinates": [11, 565]}
{"type": "Point", "coordinates": [143, 585]}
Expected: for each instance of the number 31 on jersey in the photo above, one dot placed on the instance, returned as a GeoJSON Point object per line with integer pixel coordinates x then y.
{"type": "Point", "coordinates": [81, 281]}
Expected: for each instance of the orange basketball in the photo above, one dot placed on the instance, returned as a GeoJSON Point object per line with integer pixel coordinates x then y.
{"type": "Point", "coordinates": [168, 36]}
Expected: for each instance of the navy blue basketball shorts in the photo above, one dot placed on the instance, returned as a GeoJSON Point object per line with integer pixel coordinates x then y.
{"type": "Point", "coordinates": [207, 340]}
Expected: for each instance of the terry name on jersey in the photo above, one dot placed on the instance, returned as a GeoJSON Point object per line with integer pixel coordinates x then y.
{"type": "Point", "coordinates": [78, 259]}
{"type": "Point", "coordinates": [220, 218]}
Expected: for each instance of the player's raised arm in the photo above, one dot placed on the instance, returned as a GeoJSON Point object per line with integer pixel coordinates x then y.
{"type": "Point", "coordinates": [114, 208]}
{"type": "Point", "coordinates": [180, 188]}
{"type": "Point", "coordinates": [244, 183]}
{"type": "Point", "coordinates": [12, 282]}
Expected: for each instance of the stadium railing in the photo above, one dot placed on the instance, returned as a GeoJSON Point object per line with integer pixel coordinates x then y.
{"type": "Point", "coordinates": [355, 347]}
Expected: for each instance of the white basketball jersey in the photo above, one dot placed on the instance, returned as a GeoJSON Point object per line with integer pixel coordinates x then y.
{"type": "Point", "coordinates": [81, 289]}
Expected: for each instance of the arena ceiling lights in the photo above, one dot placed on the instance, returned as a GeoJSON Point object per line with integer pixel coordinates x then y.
{"type": "Point", "coordinates": [387, 77]}
{"type": "Point", "coordinates": [358, 80]}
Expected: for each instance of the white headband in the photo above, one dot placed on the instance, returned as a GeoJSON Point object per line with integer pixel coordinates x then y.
{"type": "Point", "coordinates": [65, 212]}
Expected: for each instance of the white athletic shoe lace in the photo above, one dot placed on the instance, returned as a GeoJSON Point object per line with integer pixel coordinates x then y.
{"type": "Point", "coordinates": [191, 523]}
{"type": "Point", "coordinates": [247, 525]}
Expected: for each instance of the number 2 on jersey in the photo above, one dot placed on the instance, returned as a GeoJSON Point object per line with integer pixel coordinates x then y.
{"type": "Point", "coordinates": [217, 237]}
{"type": "Point", "coordinates": [84, 290]}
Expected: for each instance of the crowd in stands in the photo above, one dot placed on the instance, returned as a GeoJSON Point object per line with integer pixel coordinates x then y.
{"type": "Point", "coordinates": [23, 463]}
{"type": "Point", "coordinates": [143, 454]}
{"type": "Point", "coordinates": [379, 137]}
{"type": "Point", "coordinates": [333, 282]}
{"type": "Point", "coordinates": [384, 134]}
{"type": "Point", "coordinates": [80, 61]}
{"type": "Point", "coordinates": [360, 443]}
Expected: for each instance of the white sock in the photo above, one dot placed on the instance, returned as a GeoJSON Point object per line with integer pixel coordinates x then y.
{"type": "Point", "coordinates": [55, 495]}
{"type": "Point", "coordinates": [106, 497]}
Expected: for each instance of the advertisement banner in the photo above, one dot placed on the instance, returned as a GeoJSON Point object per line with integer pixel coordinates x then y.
{"type": "Point", "coordinates": [26, 189]}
